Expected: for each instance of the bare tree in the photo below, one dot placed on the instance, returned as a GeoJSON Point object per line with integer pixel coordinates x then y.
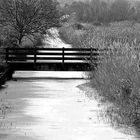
{"type": "Point", "coordinates": [24, 18]}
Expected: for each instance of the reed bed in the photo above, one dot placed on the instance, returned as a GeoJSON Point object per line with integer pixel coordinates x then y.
{"type": "Point", "coordinates": [117, 76]}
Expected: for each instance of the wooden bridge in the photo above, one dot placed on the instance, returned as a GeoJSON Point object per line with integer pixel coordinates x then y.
{"type": "Point", "coordinates": [56, 59]}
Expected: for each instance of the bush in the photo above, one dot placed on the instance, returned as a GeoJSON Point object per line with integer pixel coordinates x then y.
{"type": "Point", "coordinates": [2, 55]}
{"type": "Point", "coordinates": [70, 35]}
{"type": "Point", "coordinates": [33, 41]}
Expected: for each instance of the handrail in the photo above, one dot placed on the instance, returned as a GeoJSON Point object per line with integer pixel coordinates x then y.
{"type": "Point", "coordinates": [56, 49]}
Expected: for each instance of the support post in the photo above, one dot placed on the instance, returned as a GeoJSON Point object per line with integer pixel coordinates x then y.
{"type": "Point", "coordinates": [91, 55]}
{"type": "Point", "coordinates": [35, 51]}
{"type": "Point", "coordinates": [63, 57]}
{"type": "Point", "coordinates": [91, 60]}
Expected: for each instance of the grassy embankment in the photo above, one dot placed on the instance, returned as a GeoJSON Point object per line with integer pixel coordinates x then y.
{"type": "Point", "coordinates": [117, 77]}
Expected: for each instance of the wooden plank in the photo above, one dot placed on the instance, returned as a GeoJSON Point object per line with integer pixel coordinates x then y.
{"type": "Point", "coordinates": [55, 53]}
{"type": "Point", "coordinates": [47, 53]}
{"type": "Point", "coordinates": [31, 50]}
{"type": "Point", "coordinates": [41, 49]}
{"type": "Point", "coordinates": [49, 58]}
{"type": "Point", "coordinates": [80, 58]}
{"type": "Point", "coordinates": [75, 58]}
{"type": "Point", "coordinates": [49, 49]}
{"type": "Point", "coordinates": [52, 53]}
{"type": "Point", "coordinates": [20, 58]}
{"type": "Point", "coordinates": [79, 53]}
{"type": "Point", "coordinates": [21, 53]}
{"type": "Point", "coordinates": [79, 49]}
{"type": "Point", "coordinates": [56, 49]}
{"type": "Point", "coordinates": [47, 62]}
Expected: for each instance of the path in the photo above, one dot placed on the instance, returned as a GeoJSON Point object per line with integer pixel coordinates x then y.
{"type": "Point", "coordinates": [48, 109]}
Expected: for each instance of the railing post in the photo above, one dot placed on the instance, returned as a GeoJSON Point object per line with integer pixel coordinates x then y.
{"type": "Point", "coordinates": [91, 51]}
{"type": "Point", "coordinates": [35, 51]}
{"type": "Point", "coordinates": [63, 57]}
{"type": "Point", "coordinates": [7, 54]}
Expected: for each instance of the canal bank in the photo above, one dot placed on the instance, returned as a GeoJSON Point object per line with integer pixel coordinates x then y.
{"type": "Point", "coordinates": [5, 74]}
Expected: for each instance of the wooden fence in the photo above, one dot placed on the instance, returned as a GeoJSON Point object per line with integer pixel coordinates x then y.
{"type": "Point", "coordinates": [46, 55]}
{"type": "Point", "coordinates": [59, 58]}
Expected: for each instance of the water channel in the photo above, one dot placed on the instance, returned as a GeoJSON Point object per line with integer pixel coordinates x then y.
{"type": "Point", "coordinates": [35, 107]}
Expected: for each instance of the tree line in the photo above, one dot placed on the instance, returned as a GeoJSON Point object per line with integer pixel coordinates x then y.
{"type": "Point", "coordinates": [103, 11]}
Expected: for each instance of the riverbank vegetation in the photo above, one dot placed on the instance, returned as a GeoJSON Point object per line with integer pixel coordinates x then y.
{"type": "Point", "coordinates": [117, 76]}
{"type": "Point", "coordinates": [117, 80]}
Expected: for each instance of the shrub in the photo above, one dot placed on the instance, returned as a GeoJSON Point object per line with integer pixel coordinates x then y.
{"type": "Point", "coordinates": [70, 35]}
{"type": "Point", "coordinates": [33, 41]}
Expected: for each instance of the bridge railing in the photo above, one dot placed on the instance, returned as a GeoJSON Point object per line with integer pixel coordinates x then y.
{"type": "Point", "coordinates": [46, 55]}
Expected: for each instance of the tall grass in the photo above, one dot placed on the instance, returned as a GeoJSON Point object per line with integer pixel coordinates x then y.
{"type": "Point", "coordinates": [117, 76]}
{"type": "Point", "coordinates": [117, 80]}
